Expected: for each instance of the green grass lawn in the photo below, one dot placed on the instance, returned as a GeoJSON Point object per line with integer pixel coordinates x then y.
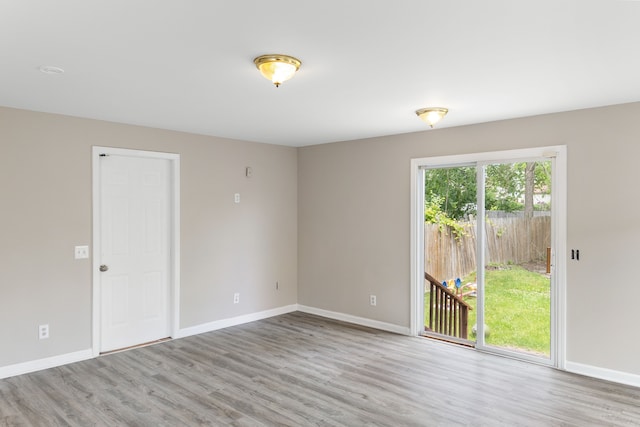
{"type": "Point", "coordinates": [517, 309]}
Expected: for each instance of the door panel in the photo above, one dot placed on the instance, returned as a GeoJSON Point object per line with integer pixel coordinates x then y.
{"type": "Point", "coordinates": [134, 206]}
{"type": "Point", "coordinates": [116, 294]}
{"type": "Point", "coordinates": [449, 249]}
{"type": "Point", "coordinates": [517, 240]}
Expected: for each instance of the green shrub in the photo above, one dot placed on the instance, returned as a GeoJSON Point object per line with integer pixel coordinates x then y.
{"type": "Point", "coordinates": [434, 214]}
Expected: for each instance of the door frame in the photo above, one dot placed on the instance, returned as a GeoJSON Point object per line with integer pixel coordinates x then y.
{"type": "Point", "coordinates": [558, 234]}
{"type": "Point", "coordinates": [174, 235]}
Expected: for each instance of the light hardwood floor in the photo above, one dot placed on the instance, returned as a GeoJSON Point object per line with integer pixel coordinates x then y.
{"type": "Point", "coordinates": [302, 370]}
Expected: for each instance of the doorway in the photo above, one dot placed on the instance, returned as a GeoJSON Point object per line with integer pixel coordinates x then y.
{"type": "Point", "coordinates": [135, 247]}
{"type": "Point", "coordinates": [487, 253]}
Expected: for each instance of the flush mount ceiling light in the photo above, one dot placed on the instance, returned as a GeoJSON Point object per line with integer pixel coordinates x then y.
{"type": "Point", "coordinates": [277, 68]}
{"type": "Point", "coordinates": [431, 116]}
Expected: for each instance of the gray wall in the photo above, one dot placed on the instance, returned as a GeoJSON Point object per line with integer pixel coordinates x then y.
{"type": "Point", "coordinates": [353, 223]}
{"type": "Point", "coordinates": [45, 197]}
{"type": "Point", "coordinates": [329, 222]}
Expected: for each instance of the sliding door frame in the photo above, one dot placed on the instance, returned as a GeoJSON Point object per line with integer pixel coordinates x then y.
{"type": "Point", "coordinates": [558, 155]}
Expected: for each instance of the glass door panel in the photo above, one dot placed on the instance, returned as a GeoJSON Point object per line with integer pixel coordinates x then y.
{"type": "Point", "coordinates": [450, 252]}
{"type": "Point", "coordinates": [516, 276]}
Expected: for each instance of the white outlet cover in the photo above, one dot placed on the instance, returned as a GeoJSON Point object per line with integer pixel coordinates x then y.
{"type": "Point", "coordinates": [236, 197]}
{"type": "Point", "coordinates": [43, 332]}
{"type": "Point", "coordinates": [81, 252]}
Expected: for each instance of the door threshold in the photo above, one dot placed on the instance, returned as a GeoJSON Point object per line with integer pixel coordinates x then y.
{"type": "Point", "coordinates": [451, 340]}
{"type": "Point", "coordinates": [131, 347]}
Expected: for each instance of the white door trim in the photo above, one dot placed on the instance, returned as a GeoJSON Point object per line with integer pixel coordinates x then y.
{"type": "Point", "coordinates": [174, 235]}
{"type": "Point", "coordinates": [559, 232]}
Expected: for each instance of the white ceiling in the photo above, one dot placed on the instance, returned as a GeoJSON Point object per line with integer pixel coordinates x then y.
{"type": "Point", "coordinates": [367, 65]}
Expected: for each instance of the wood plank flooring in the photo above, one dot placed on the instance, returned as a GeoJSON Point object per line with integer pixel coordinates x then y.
{"type": "Point", "coordinates": [302, 370]}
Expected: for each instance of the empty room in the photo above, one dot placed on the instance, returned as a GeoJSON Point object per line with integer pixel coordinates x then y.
{"type": "Point", "coordinates": [249, 213]}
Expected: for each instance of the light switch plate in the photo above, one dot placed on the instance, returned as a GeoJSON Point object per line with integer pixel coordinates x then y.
{"type": "Point", "coordinates": [82, 252]}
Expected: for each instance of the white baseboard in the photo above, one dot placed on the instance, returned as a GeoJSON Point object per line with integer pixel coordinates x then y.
{"type": "Point", "coordinates": [63, 359]}
{"type": "Point", "coordinates": [46, 363]}
{"type": "Point", "coordinates": [233, 321]}
{"type": "Point", "coordinates": [603, 373]}
{"type": "Point", "coordinates": [362, 321]}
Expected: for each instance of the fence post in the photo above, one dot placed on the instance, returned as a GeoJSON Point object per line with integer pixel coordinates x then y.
{"type": "Point", "coordinates": [548, 260]}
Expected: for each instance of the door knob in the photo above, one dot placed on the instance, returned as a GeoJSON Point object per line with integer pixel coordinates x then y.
{"type": "Point", "coordinates": [104, 267]}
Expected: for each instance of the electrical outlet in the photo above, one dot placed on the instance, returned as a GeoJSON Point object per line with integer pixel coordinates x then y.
{"type": "Point", "coordinates": [372, 299]}
{"type": "Point", "coordinates": [236, 198]}
{"type": "Point", "coordinates": [236, 298]}
{"type": "Point", "coordinates": [82, 252]}
{"type": "Point", "coordinates": [43, 332]}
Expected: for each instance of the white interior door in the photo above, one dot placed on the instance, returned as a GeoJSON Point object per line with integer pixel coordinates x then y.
{"type": "Point", "coordinates": [134, 195]}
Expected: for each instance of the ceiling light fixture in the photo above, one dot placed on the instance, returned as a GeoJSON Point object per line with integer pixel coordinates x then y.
{"type": "Point", "coordinates": [277, 68]}
{"type": "Point", "coordinates": [431, 116]}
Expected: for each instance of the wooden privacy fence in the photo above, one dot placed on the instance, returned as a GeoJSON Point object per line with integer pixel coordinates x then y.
{"type": "Point", "coordinates": [509, 240]}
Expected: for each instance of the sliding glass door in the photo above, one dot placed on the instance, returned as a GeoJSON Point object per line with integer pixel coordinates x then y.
{"type": "Point", "coordinates": [488, 235]}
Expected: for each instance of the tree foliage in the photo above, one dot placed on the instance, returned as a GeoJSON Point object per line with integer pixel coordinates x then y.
{"type": "Point", "coordinates": [505, 187]}
{"type": "Point", "coordinates": [434, 214]}
{"type": "Point", "coordinates": [457, 188]}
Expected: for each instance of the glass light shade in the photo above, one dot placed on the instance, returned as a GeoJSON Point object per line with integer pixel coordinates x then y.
{"type": "Point", "coordinates": [431, 116]}
{"type": "Point", "coordinates": [277, 68]}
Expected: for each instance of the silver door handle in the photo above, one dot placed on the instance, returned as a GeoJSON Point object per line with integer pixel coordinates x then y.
{"type": "Point", "coordinates": [104, 268]}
